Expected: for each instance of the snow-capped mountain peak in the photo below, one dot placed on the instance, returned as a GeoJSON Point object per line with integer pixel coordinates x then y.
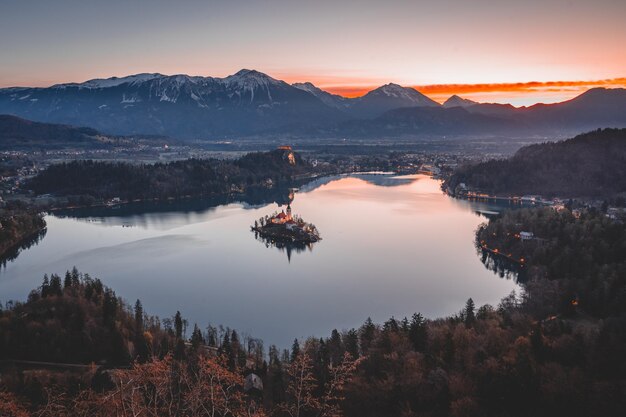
{"type": "Point", "coordinates": [332, 100]}
{"type": "Point", "coordinates": [407, 95]}
{"type": "Point", "coordinates": [456, 101]}
{"type": "Point", "coordinates": [112, 82]}
{"type": "Point", "coordinates": [246, 77]}
{"type": "Point", "coordinates": [307, 86]}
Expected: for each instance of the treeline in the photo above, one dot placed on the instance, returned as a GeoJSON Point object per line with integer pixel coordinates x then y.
{"type": "Point", "coordinates": [489, 361]}
{"type": "Point", "coordinates": [146, 364]}
{"type": "Point", "coordinates": [77, 319]}
{"type": "Point", "coordinates": [17, 227]}
{"type": "Point", "coordinates": [92, 180]}
{"type": "Point", "coordinates": [589, 165]}
{"type": "Point", "coordinates": [569, 262]}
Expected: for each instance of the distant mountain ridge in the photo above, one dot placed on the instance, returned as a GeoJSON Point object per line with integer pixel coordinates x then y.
{"type": "Point", "coordinates": [18, 133]}
{"type": "Point", "coordinates": [251, 103]}
{"type": "Point", "coordinates": [21, 134]}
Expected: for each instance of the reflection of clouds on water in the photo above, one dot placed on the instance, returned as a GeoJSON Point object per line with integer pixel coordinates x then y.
{"type": "Point", "coordinates": [387, 180]}
{"type": "Point", "coordinates": [160, 246]}
{"type": "Point", "coordinates": [158, 220]}
{"type": "Point", "coordinates": [167, 215]}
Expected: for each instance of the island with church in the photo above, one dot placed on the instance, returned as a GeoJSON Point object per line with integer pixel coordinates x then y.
{"type": "Point", "coordinates": [285, 227]}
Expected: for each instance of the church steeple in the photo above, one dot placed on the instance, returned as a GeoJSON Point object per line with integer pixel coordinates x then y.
{"type": "Point", "coordinates": [289, 211]}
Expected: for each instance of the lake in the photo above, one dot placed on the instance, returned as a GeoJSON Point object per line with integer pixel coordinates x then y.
{"type": "Point", "coordinates": [392, 246]}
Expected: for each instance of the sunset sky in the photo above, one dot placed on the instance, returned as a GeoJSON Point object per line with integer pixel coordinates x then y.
{"type": "Point", "coordinates": [488, 50]}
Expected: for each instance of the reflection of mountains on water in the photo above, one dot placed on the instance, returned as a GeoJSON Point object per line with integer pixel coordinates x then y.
{"type": "Point", "coordinates": [381, 179]}
{"type": "Point", "coordinates": [154, 212]}
{"type": "Point", "coordinates": [146, 213]}
{"type": "Point", "coordinates": [501, 266]}
{"type": "Point", "coordinates": [12, 254]}
{"type": "Point", "coordinates": [386, 179]}
{"type": "Point", "coordinates": [284, 246]}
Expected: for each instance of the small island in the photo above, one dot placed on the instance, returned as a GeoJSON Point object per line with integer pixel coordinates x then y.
{"type": "Point", "coordinates": [285, 227]}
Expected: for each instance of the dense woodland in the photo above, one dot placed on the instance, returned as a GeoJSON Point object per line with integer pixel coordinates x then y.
{"type": "Point", "coordinates": [91, 180]}
{"type": "Point", "coordinates": [589, 165]}
{"type": "Point", "coordinates": [18, 225]}
{"type": "Point", "coordinates": [582, 260]}
{"type": "Point", "coordinates": [556, 349]}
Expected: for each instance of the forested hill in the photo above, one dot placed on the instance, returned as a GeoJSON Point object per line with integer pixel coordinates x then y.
{"type": "Point", "coordinates": [17, 133]}
{"type": "Point", "coordinates": [590, 165]}
{"type": "Point", "coordinates": [192, 177]}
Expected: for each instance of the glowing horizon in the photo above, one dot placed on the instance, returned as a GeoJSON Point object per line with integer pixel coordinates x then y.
{"type": "Point", "coordinates": [505, 51]}
{"type": "Point", "coordinates": [516, 93]}
{"type": "Point", "coordinates": [519, 93]}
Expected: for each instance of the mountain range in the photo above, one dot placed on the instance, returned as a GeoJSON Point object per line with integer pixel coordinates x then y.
{"type": "Point", "coordinates": [250, 103]}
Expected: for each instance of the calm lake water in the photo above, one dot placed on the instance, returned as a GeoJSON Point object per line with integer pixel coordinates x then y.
{"type": "Point", "coordinates": [391, 246]}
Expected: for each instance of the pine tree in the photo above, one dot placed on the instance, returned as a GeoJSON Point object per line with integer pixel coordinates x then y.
{"type": "Point", "coordinates": [352, 343]}
{"type": "Point", "coordinates": [45, 286]}
{"type": "Point", "coordinates": [109, 308]}
{"type": "Point", "coordinates": [67, 283]}
{"type": "Point", "coordinates": [470, 317]}
{"type": "Point", "coordinates": [418, 332]}
{"type": "Point", "coordinates": [178, 325]}
{"type": "Point", "coordinates": [138, 316]}
{"type": "Point", "coordinates": [75, 277]}
{"type": "Point", "coordinates": [404, 326]}
{"type": "Point", "coordinates": [367, 333]}
{"type": "Point", "coordinates": [227, 350]}
{"type": "Point", "coordinates": [55, 285]}
{"type": "Point", "coordinates": [295, 349]}
{"type": "Point", "coordinates": [196, 337]}
{"type": "Point", "coordinates": [335, 347]}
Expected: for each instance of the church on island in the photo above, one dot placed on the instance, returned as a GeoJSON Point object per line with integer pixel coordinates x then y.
{"type": "Point", "coordinates": [286, 226]}
{"type": "Point", "coordinates": [285, 218]}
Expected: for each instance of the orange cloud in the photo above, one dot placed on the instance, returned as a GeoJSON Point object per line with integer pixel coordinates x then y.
{"type": "Point", "coordinates": [495, 91]}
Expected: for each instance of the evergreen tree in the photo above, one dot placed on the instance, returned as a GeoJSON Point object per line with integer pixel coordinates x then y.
{"type": "Point", "coordinates": [351, 342]}
{"type": "Point", "coordinates": [75, 277]}
{"type": "Point", "coordinates": [196, 337]}
{"type": "Point", "coordinates": [470, 317]}
{"type": "Point", "coordinates": [109, 308]}
{"type": "Point", "coordinates": [404, 325]}
{"type": "Point", "coordinates": [391, 325]}
{"type": "Point", "coordinates": [178, 325]}
{"type": "Point", "coordinates": [55, 285]}
{"type": "Point", "coordinates": [295, 349]}
{"type": "Point", "coordinates": [179, 352]}
{"type": "Point", "coordinates": [227, 350]}
{"type": "Point", "coordinates": [418, 333]}
{"type": "Point", "coordinates": [367, 333]}
{"type": "Point", "coordinates": [335, 348]}
{"type": "Point", "coordinates": [138, 316]}
{"type": "Point", "coordinates": [67, 282]}
{"type": "Point", "coordinates": [45, 286]}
